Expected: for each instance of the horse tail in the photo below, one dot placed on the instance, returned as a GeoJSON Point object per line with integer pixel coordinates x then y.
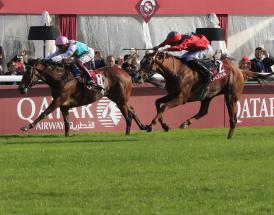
{"type": "Point", "coordinates": [257, 76]}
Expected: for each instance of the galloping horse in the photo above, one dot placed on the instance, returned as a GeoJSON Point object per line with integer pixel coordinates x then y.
{"type": "Point", "coordinates": [67, 92]}
{"type": "Point", "coordinates": [184, 84]}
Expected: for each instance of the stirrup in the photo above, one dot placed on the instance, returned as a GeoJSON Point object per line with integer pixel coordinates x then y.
{"type": "Point", "coordinates": [91, 82]}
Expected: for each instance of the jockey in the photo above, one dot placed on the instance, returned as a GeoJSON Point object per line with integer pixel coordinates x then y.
{"type": "Point", "coordinates": [197, 47]}
{"type": "Point", "coordinates": [80, 52]}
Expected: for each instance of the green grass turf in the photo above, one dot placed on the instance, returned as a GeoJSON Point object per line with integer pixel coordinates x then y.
{"type": "Point", "coordinates": [195, 171]}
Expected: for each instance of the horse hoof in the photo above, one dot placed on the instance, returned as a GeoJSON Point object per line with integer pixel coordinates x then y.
{"type": "Point", "coordinates": [148, 128]}
{"type": "Point", "coordinates": [184, 125]}
{"type": "Point", "coordinates": [24, 129]}
{"type": "Point", "coordinates": [166, 127]}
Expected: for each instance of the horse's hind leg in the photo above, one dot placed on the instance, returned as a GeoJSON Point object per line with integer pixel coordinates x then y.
{"type": "Point", "coordinates": [53, 105]}
{"type": "Point", "coordinates": [133, 115]}
{"type": "Point", "coordinates": [125, 111]}
{"type": "Point", "coordinates": [202, 112]}
{"type": "Point", "coordinates": [231, 102]}
{"type": "Point", "coordinates": [64, 111]}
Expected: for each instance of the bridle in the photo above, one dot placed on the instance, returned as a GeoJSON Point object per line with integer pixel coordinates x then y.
{"type": "Point", "coordinates": [36, 72]}
{"type": "Point", "coordinates": [158, 64]}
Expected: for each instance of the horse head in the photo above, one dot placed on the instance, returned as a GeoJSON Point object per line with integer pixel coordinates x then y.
{"type": "Point", "coordinates": [150, 68]}
{"type": "Point", "coordinates": [34, 72]}
{"type": "Point", "coordinates": [147, 65]}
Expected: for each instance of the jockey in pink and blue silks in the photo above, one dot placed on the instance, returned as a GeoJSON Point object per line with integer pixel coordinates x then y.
{"type": "Point", "coordinates": [79, 52]}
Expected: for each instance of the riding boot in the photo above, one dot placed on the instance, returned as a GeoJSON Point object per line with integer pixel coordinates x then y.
{"type": "Point", "coordinates": [75, 71]}
{"type": "Point", "coordinates": [89, 79]}
{"type": "Point", "coordinates": [204, 71]}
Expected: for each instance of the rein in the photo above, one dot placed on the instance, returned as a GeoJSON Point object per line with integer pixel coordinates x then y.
{"type": "Point", "coordinates": [40, 75]}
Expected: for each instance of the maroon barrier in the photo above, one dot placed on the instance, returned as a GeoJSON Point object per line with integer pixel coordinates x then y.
{"type": "Point", "coordinates": [255, 108]}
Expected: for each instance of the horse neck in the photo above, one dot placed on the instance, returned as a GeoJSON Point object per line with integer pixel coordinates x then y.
{"type": "Point", "coordinates": [168, 66]}
{"type": "Point", "coordinates": [54, 76]}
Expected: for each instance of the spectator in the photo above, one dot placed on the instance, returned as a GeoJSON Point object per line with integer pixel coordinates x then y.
{"type": "Point", "coordinates": [3, 68]}
{"type": "Point", "coordinates": [120, 61]}
{"type": "Point", "coordinates": [99, 60]}
{"type": "Point", "coordinates": [245, 63]}
{"type": "Point", "coordinates": [19, 63]}
{"type": "Point", "coordinates": [130, 66]}
{"type": "Point", "coordinates": [11, 71]}
{"type": "Point", "coordinates": [262, 61]}
{"type": "Point", "coordinates": [110, 61]}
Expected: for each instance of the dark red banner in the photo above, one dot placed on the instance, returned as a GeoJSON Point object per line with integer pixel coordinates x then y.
{"type": "Point", "coordinates": [17, 111]}
{"type": "Point", "coordinates": [256, 108]}
{"type": "Point", "coordinates": [108, 7]}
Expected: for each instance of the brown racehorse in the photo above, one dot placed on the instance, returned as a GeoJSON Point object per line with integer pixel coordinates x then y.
{"type": "Point", "coordinates": [183, 84]}
{"type": "Point", "coordinates": [67, 92]}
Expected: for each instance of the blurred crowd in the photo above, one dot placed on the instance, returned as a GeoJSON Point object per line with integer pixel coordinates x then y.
{"type": "Point", "coordinates": [129, 62]}
{"type": "Point", "coordinates": [262, 63]}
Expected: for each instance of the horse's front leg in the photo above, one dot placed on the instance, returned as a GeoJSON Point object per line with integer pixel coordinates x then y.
{"type": "Point", "coordinates": [53, 105]}
{"type": "Point", "coordinates": [160, 109]}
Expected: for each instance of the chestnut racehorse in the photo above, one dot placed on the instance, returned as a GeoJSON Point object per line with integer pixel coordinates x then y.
{"type": "Point", "coordinates": [185, 84]}
{"type": "Point", "coordinates": [67, 92]}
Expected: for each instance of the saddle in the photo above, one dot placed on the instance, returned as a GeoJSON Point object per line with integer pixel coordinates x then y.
{"type": "Point", "coordinates": [215, 67]}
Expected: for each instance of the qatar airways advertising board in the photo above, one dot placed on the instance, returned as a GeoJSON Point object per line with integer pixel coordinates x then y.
{"type": "Point", "coordinates": [254, 109]}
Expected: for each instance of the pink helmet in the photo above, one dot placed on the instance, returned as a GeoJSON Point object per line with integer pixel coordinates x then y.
{"type": "Point", "coordinates": [61, 40]}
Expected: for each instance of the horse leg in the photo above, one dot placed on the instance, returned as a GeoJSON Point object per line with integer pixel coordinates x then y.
{"type": "Point", "coordinates": [202, 112]}
{"type": "Point", "coordinates": [231, 102]}
{"type": "Point", "coordinates": [125, 111]}
{"type": "Point", "coordinates": [64, 111]}
{"type": "Point", "coordinates": [169, 101]}
{"type": "Point", "coordinates": [133, 115]}
{"type": "Point", "coordinates": [53, 105]}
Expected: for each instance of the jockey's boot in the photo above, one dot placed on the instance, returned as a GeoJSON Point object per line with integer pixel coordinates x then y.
{"type": "Point", "coordinates": [76, 72]}
{"type": "Point", "coordinates": [204, 71]}
{"type": "Point", "coordinates": [89, 79]}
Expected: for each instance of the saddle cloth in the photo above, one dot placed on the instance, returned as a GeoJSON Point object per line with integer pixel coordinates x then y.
{"type": "Point", "coordinates": [98, 78]}
{"type": "Point", "coordinates": [217, 69]}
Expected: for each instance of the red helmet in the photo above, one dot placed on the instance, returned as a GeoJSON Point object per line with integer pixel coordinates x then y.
{"type": "Point", "coordinates": [174, 36]}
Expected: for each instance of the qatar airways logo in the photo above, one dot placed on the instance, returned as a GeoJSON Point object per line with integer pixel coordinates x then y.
{"type": "Point", "coordinates": [147, 8]}
{"type": "Point", "coordinates": [28, 110]}
{"type": "Point", "coordinates": [108, 113]}
{"type": "Point", "coordinates": [255, 108]}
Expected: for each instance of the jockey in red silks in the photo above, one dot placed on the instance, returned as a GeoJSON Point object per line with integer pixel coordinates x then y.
{"type": "Point", "coordinates": [197, 47]}
{"type": "Point", "coordinates": [80, 52]}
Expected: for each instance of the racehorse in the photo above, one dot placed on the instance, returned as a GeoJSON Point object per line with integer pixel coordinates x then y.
{"type": "Point", "coordinates": [67, 92]}
{"type": "Point", "coordinates": [185, 84]}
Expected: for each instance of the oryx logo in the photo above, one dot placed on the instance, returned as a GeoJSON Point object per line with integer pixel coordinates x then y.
{"type": "Point", "coordinates": [147, 8]}
{"type": "Point", "coordinates": [108, 113]}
